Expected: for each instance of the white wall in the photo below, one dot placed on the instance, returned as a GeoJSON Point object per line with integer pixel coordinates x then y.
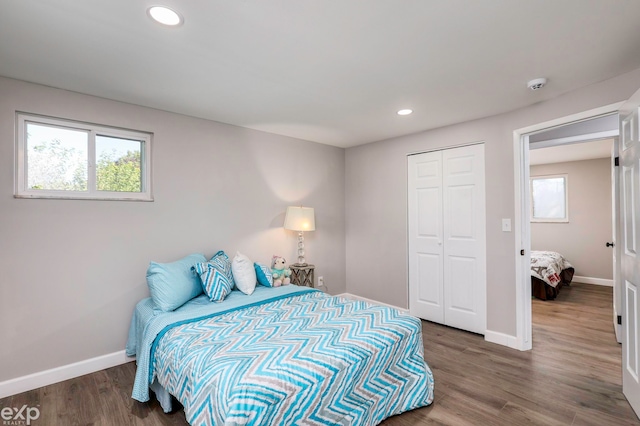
{"type": "Point", "coordinates": [72, 270]}
{"type": "Point", "coordinates": [582, 239]}
{"type": "Point", "coordinates": [376, 191]}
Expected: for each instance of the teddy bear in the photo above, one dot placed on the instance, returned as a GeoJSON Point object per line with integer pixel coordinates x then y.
{"type": "Point", "coordinates": [280, 273]}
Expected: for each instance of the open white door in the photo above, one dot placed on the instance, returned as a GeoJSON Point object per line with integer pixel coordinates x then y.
{"type": "Point", "coordinates": [629, 150]}
{"type": "Point", "coordinates": [615, 228]}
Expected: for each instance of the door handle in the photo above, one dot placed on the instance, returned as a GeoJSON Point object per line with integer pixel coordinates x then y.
{"type": "Point", "coordinates": [610, 244]}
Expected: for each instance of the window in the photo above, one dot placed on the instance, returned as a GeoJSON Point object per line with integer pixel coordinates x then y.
{"type": "Point", "coordinates": [64, 159]}
{"type": "Point", "coordinates": [549, 199]}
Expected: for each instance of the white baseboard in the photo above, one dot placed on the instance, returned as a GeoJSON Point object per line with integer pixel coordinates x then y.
{"type": "Point", "coordinates": [590, 280]}
{"type": "Point", "coordinates": [375, 302]}
{"type": "Point", "coordinates": [502, 339]}
{"type": "Point", "coordinates": [59, 374]}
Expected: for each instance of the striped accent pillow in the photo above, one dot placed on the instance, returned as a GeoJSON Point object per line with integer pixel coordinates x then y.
{"type": "Point", "coordinates": [222, 262]}
{"type": "Point", "coordinates": [215, 284]}
{"type": "Point", "coordinates": [216, 276]}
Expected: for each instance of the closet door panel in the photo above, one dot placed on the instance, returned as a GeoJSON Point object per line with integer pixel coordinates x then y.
{"type": "Point", "coordinates": [464, 238]}
{"type": "Point", "coordinates": [426, 295]}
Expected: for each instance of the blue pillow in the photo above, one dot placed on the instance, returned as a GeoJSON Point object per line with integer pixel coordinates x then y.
{"type": "Point", "coordinates": [214, 281]}
{"type": "Point", "coordinates": [173, 284]}
{"type": "Point", "coordinates": [264, 275]}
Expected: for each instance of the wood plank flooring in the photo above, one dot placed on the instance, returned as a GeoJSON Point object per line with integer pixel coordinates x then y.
{"type": "Point", "coordinates": [571, 377]}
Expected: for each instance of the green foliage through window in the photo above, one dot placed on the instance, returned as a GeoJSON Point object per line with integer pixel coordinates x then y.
{"type": "Point", "coordinates": [119, 174]}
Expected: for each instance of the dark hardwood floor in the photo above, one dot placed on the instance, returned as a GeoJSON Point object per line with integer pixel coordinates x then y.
{"type": "Point", "coordinates": [571, 377]}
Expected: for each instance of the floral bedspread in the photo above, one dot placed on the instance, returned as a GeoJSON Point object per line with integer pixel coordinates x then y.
{"type": "Point", "coordinates": [547, 266]}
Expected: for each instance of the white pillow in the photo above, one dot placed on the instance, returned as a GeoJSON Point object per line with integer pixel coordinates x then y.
{"type": "Point", "coordinates": [243, 273]}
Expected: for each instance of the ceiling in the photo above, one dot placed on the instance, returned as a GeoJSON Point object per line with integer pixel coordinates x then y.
{"type": "Point", "coordinates": [328, 71]}
{"type": "Point", "coordinates": [573, 152]}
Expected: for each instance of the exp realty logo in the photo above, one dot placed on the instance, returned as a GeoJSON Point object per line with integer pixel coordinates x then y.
{"type": "Point", "coordinates": [19, 416]}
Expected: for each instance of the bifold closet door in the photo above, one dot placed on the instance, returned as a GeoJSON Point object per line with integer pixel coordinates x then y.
{"type": "Point", "coordinates": [426, 292]}
{"type": "Point", "coordinates": [447, 242]}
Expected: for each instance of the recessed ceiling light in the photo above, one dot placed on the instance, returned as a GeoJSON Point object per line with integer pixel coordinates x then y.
{"type": "Point", "coordinates": [165, 16]}
{"type": "Point", "coordinates": [405, 111]}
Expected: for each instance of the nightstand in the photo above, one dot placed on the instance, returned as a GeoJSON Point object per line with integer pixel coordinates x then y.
{"type": "Point", "coordinates": [302, 275]}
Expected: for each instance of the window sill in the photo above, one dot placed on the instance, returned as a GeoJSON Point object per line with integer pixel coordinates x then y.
{"type": "Point", "coordinates": [78, 197]}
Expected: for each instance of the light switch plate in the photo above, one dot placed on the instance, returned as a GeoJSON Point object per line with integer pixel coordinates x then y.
{"type": "Point", "coordinates": [506, 225]}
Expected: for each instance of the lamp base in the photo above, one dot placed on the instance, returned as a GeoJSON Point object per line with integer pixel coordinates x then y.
{"type": "Point", "coordinates": [300, 264]}
{"type": "Point", "coordinates": [301, 260]}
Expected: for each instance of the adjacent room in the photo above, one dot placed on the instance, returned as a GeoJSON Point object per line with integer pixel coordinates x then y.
{"type": "Point", "coordinates": [572, 209]}
{"type": "Point", "coordinates": [572, 251]}
{"type": "Point", "coordinates": [316, 212]}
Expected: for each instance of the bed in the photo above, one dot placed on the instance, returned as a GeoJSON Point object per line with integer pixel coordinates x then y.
{"type": "Point", "coordinates": [549, 272]}
{"type": "Point", "coordinates": [284, 355]}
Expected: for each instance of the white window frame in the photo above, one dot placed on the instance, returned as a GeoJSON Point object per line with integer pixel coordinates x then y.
{"type": "Point", "coordinates": [93, 130]}
{"type": "Point", "coordinates": [565, 219]}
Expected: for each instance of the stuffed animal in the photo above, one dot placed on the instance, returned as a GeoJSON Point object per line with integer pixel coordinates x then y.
{"type": "Point", "coordinates": [279, 271]}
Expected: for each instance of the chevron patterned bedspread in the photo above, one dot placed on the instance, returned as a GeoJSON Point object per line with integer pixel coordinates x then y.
{"type": "Point", "coordinates": [303, 359]}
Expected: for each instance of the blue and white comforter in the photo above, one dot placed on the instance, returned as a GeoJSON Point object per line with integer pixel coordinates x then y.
{"type": "Point", "coordinates": [297, 358]}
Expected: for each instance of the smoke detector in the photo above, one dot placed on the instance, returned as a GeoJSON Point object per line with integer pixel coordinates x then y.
{"type": "Point", "coordinates": [537, 83]}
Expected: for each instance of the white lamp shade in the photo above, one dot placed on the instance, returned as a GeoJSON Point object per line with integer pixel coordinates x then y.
{"type": "Point", "coordinates": [300, 219]}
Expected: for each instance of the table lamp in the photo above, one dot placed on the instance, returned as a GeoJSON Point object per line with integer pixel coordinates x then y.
{"type": "Point", "coordinates": [300, 219]}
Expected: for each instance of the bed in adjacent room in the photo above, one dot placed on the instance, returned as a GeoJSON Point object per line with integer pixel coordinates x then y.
{"type": "Point", "coordinates": [282, 355]}
{"type": "Point", "coordinates": [549, 272]}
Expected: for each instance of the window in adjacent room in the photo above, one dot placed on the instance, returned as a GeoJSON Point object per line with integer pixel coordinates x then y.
{"type": "Point", "coordinates": [65, 159]}
{"type": "Point", "coordinates": [549, 199]}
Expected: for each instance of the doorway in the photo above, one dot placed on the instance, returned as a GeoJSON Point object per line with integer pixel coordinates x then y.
{"type": "Point", "coordinates": [522, 140]}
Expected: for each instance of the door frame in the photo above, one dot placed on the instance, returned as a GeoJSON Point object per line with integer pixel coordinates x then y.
{"type": "Point", "coordinates": [522, 226]}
